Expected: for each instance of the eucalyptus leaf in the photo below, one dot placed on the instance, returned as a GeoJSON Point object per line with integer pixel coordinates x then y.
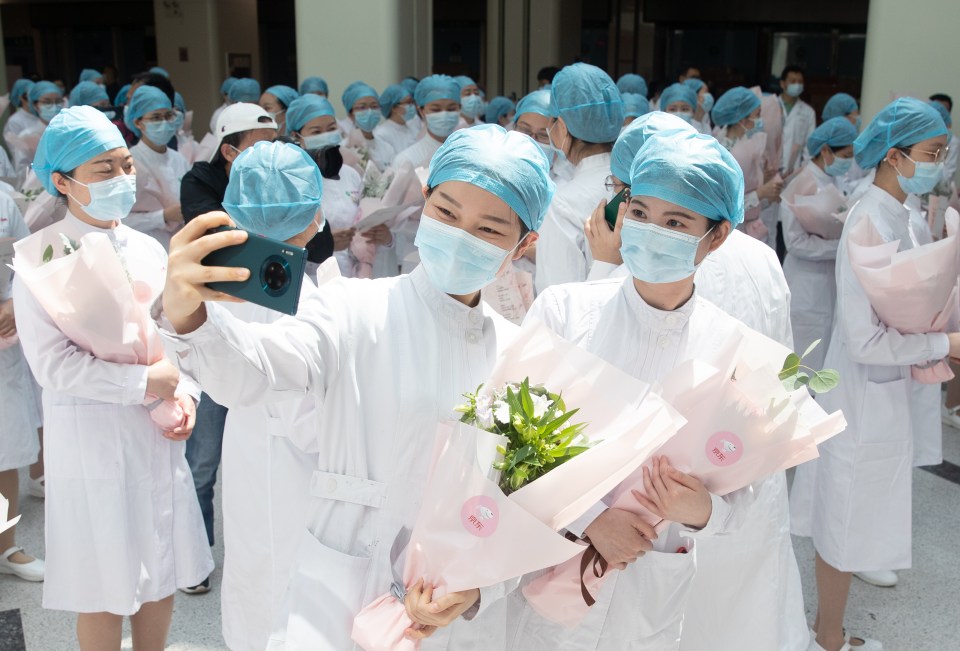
{"type": "Point", "coordinates": [811, 348]}
{"type": "Point", "coordinates": [824, 381]}
{"type": "Point", "coordinates": [790, 365]}
{"type": "Point", "coordinates": [48, 253]}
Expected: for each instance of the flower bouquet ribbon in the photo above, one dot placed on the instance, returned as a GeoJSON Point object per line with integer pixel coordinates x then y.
{"type": "Point", "coordinates": [818, 210]}
{"type": "Point", "coordinates": [469, 532]}
{"type": "Point", "coordinates": [88, 291]}
{"type": "Point", "coordinates": [742, 425]}
{"type": "Point", "coordinates": [912, 291]}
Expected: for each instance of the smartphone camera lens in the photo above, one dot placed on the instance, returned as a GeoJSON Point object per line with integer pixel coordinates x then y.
{"type": "Point", "coordinates": [275, 276]}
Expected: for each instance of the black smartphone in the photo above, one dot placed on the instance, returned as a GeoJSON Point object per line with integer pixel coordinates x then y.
{"type": "Point", "coordinates": [276, 271]}
{"type": "Point", "coordinates": [613, 206]}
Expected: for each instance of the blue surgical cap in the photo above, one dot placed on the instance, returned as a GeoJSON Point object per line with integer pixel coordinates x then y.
{"type": "Point", "coordinates": [901, 123]}
{"type": "Point", "coordinates": [284, 94]}
{"type": "Point", "coordinates": [589, 103]}
{"type": "Point", "coordinates": [507, 164]}
{"type": "Point", "coordinates": [835, 132]}
{"type": "Point", "coordinates": [305, 108]}
{"type": "Point", "coordinates": [538, 102]}
{"type": "Point", "coordinates": [636, 134]}
{"type": "Point", "coordinates": [734, 105]}
{"type": "Point", "coordinates": [274, 190]}
{"type": "Point", "coordinates": [497, 108]}
{"type": "Point", "coordinates": [631, 83]}
{"type": "Point", "coordinates": [146, 99]}
{"type": "Point", "coordinates": [634, 105]}
{"type": "Point", "coordinates": [226, 85]}
{"type": "Point", "coordinates": [121, 98]}
{"type": "Point", "coordinates": [694, 84]}
{"type": "Point", "coordinates": [314, 85]}
{"type": "Point", "coordinates": [463, 81]}
{"type": "Point", "coordinates": [355, 92]}
{"type": "Point", "coordinates": [678, 93]}
{"type": "Point", "coordinates": [89, 74]}
{"type": "Point", "coordinates": [944, 113]}
{"type": "Point", "coordinates": [20, 88]}
{"type": "Point", "coordinates": [691, 170]}
{"type": "Point", "coordinates": [157, 70]}
{"type": "Point", "coordinates": [178, 102]}
{"type": "Point", "coordinates": [838, 106]}
{"type": "Point", "coordinates": [391, 96]}
{"type": "Point", "coordinates": [86, 93]}
{"type": "Point", "coordinates": [245, 90]}
{"type": "Point", "coordinates": [410, 83]}
{"type": "Point", "coordinates": [74, 136]}
{"type": "Point", "coordinates": [40, 89]}
{"type": "Point", "coordinates": [436, 87]}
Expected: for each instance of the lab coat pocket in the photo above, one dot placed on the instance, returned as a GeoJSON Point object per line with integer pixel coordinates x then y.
{"type": "Point", "coordinates": [84, 441]}
{"type": "Point", "coordinates": [326, 592]}
{"type": "Point", "coordinates": [884, 413]}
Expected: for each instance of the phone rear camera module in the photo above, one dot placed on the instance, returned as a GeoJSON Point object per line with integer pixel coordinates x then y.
{"type": "Point", "coordinates": [275, 276]}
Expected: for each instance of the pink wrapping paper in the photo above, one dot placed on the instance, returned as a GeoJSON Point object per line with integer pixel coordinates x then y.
{"type": "Point", "coordinates": [772, 113]}
{"type": "Point", "coordinates": [912, 291]}
{"type": "Point", "coordinates": [737, 432]}
{"type": "Point", "coordinates": [87, 296]}
{"type": "Point", "coordinates": [818, 211]}
{"type": "Point", "coordinates": [468, 534]}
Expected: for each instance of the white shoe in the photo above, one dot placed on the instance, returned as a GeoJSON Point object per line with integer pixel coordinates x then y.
{"type": "Point", "coordinates": [879, 578]}
{"type": "Point", "coordinates": [950, 416]}
{"type": "Point", "coordinates": [32, 571]}
{"type": "Point", "coordinates": [868, 645]}
{"type": "Point", "coordinates": [35, 487]}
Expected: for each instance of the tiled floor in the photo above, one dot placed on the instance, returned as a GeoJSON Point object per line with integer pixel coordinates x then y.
{"type": "Point", "coordinates": [920, 614]}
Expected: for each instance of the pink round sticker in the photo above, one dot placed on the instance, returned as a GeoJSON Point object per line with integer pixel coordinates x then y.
{"type": "Point", "coordinates": [724, 449]}
{"type": "Point", "coordinates": [480, 516]}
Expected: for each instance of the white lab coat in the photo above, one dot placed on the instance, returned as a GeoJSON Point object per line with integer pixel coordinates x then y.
{"type": "Point", "coordinates": [265, 483]}
{"type": "Point", "coordinates": [19, 123]}
{"type": "Point", "coordinates": [418, 154]}
{"type": "Point", "coordinates": [158, 187]}
{"type": "Point", "coordinates": [641, 607]}
{"type": "Point", "coordinates": [385, 360]}
{"type": "Point", "coordinates": [563, 255]}
{"type": "Point", "coordinates": [798, 124]}
{"type": "Point", "coordinates": [950, 164]}
{"type": "Point", "coordinates": [123, 526]}
{"type": "Point", "coordinates": [341, 207]}
{"type": "Point", "coordinates": [379, 151]}
{"type": "Point", "coordinates": [398, 136]}
{"type": "Point", "coordinates": [809, 268]}
{"type": "Point", "coordinates": [19, 417]}
{"type": "Point", "coordinates": [862, 504]}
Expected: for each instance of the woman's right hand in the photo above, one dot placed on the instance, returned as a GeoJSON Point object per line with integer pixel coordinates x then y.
{"type": "Point", "coordinates": [771, 190]}
{"type": "Point", "coordinates": [605, 243]}
{"type": "Point", "coordinates": [162, 379]}
{"type": "Point", "coordinates": [186, 290]}
{"type": "Point", "coordinates": [173, 214]}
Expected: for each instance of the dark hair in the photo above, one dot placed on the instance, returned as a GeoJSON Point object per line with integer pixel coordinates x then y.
{"type": "Point", "coordinates": [524, 229]}
{"type": "Point", "coordinates": [157, 81]}
{"type": "Point", "coordinates": [788, 70]}
{"type": "Point", "coordinates": [548, 73]}
{"type": "Point", "coordinates": [941, 97]}
{"type": "Point", "coordinates": [232, 139]}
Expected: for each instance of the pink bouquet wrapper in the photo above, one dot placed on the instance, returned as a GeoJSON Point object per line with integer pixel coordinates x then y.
{"type": "Point", "coordinates": [738, 431]}
{"type": "Point", "coordinates": [468, 534]}
{"type": "Point", "coordinates": [912, 291]}
{"type": "Point", "coordinates": [818, 211]}
{"type": "Point", "coordinates": [772, 113]}
{"type": "Point", "coordinates": [87, 295]}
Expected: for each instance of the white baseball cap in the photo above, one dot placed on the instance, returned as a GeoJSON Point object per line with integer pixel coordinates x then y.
{"type": "Point", "coordinates": [240, 117]}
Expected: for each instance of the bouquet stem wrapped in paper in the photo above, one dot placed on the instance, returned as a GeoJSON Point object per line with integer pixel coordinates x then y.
{"type": "Point", "coordinates": [742, 425]}
{"type": "Point", "coordinates": [88, 292]}
{"type": "Point", "coordinates": [468, 533]}
{"type": "Point", "coordinates": [912, 291]}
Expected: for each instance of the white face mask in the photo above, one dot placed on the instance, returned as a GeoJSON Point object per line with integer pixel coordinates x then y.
{"type": "Point", "coordinates": [321, 140]}
{"type": "Point", "coordinates": [110, 200]}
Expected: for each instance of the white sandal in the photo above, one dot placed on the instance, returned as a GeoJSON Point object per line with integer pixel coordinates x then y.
{"type": "Point", "coordinates": [36, 488]}
{"type": "Point", "coordinates": [32, 571]}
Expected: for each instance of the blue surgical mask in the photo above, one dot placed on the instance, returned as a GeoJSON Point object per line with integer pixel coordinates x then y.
{"type": "Point", "coordinates": [560, 155]}
{"type": "Point", "coordinates": [794, 90]}
{"type": "Point", "coordinates": [178, 121]}
{"type": "Point", "coordinates": [658, 255]}
{"type": "Point", "coordinates": [457, 262]}
{"type": "Point", "coordinates": [160, 133]}
{"type": "Point", "coordinates": [48, 111]}
{"type": "Point", "coordinates": [707, 103]}
{"type": "Point", "coordinates": [367, 119]}
{"type": "Point", "coordinates": [925, 177]}
{"type": "Point", "coordinates": [686, 116]}
{"type": "Point", "coordinates": [321, 140]}
{"type": "Point", "coordinates": [110, 200]}
{"type": "Point", "coordinates": [471, 105]}
{"type": "Point", "coordinates": [757, 127]}
{"type": "Point", "coordinates": [839, 166]}
{"type": "Point", "coordinates": [442, 124]}
{"type": "Point", "coordinates": [548, 151]}
{"type": "Point", "coordinates": [110, 114]}
{"type": "Point", "coordinates": [859, 123]}
{"type": "Point", "coordinates": [409, 113]}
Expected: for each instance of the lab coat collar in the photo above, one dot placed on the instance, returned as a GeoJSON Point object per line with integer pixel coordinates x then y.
{"type": "Point", "coordinates": [887, 201]}
{"type": "Point", "coordinates": [819, 174]}
{"type": "Point", "coordinates": [658, 319]}
{"type": "Point", "coordinates": [591, 164]}
{"type": "Point", "coordinates": [77, 226]}
{"type": "Point", "coordinates": [444, 304]}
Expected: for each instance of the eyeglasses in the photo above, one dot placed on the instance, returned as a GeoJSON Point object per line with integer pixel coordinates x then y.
{"type": "Point", "coordinates": [59, 103]}
{"type": "Point", "coordinates": [612, 184]}
{"type": "Point", "coordinates": [939, 155]}
{"type": "Point", "coordinates": [169, 116]}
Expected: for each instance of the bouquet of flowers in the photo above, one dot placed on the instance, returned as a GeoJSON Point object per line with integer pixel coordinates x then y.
{"type": "Point", "coordinates": [469, 532]}
{"type": "Point", "coordinates": [743, 424]}
{"type": "Point", "coordinates": [75, 280]}
{"type": "Point", "coordinates": [818, 211]}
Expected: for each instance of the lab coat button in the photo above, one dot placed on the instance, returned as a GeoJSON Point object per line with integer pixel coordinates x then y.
{"type": "Point", "coordinates": [663, 341]}
{"type": "Point", "coordinates": [330, 485]}
{"type": "Point", "coordinates": [472, 338]}
{"type": "Point", "coordinates": [671, 321]}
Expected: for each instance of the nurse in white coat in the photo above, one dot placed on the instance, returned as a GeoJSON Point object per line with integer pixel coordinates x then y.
{"type": "Point", "coordinates": [274, 191]}
{"type": "Point", "coordinates": [362, 103]}
{"type": "Point", "coordinates": [385, 360]}
{"type": "Point", "coordinates": [590, 117]}
{"type": "Point", "coordinates": [862, 505]}
{"type": "Point", "coordinates": [399, 111]}
{"type": "Point", "coordinates": [686, 197]}
{"type": "Point", "coordinates": [151, 117]}
{"type": "Point", "coordinates": [123, 527]}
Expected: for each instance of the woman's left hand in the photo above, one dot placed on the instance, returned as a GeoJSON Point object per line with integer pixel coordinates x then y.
{"type": "Point", "coordinates": [429, 615]}
{"type": "Point", "coordinates": [189, 408]}
{"type": "Point", "coordinates": [674, 495]}
{"type": "Point", "coordinates": [379, 235]}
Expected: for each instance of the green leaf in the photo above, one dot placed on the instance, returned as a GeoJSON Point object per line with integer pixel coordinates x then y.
{"type": "Point", "coordinates": [790, 366]}
{"type": "Point", "coordinates": [810, 348]}
{"type": "Point", "coordinates": [48, 253]}
{"type": "Point", "coordinates": [824, 381]}
{"type": "Point", "coordinates": [525, 400]}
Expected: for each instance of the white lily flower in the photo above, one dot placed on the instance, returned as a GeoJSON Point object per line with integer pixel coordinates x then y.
{"type": "Point", "coordinates": [540, 405]}
{"type": "Point", "coordinates": [501, 411]}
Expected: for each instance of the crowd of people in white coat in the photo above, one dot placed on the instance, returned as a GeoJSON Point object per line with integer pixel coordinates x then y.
{"type": "Point", "coordinates": [322, 422]}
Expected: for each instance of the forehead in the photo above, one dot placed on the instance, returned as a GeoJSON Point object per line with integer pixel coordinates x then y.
{"type": "Point", "coordinates": [475, 199]}
{"type": "Point", "coordinates": [321, 122]}
{"type": "Point", "coordinates": [118, 155]}
{"type": "Point", "coordinates": [533, 120]}
{"type": "Point", "coordinates": [442, 104]}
